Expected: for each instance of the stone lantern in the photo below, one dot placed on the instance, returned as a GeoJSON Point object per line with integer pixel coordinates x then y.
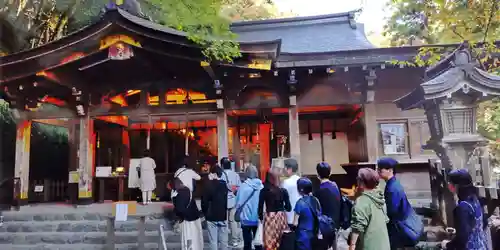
{"type": "Point", "coordinates": [450, 96]}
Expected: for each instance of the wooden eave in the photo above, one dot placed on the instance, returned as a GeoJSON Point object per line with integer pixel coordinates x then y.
{"type": "Point", "coordinates": [114, 22]}
{"type": "Point", "coordinates": [374, 56]}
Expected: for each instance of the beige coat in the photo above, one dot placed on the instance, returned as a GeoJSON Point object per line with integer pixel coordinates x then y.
{"type": "Point", "coordinates": [148, 177]}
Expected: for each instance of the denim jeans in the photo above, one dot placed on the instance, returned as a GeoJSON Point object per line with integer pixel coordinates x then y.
{"type": "Point", "coordinates": [248, 234]}
{"type": "Point", "coordinates": [218, 235]}
{"type": "Point", "coordinates": [234, 227]}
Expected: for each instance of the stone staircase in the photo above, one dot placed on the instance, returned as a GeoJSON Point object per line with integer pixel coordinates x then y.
{"type": "Point", "coordinates": [81, 228]}
{"type": "Point", "coordinates": [85, 228]}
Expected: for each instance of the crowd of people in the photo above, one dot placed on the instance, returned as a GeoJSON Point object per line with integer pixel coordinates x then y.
{"type": "Point", "coordinates": [289, 214]}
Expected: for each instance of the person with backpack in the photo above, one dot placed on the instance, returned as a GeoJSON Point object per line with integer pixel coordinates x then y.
{"type": "Point", "coordinates": [369, 218]}
{"type": "Point", "coordinates": [233, 181]}
{"type": "Point", "coordinates": [247, 203]}
{"type": "Point", "coordinates": [214, 207]}
{"type": "Point", "coordinates": [330, 200]}
{"type": "Point", "coordinates": [305, 219]}
{"type": "Point", "coordinates": [188, 214]}
{"type": "Point", "coordinates": [187, 175]}
{"type": "Point", "coordinates": [468, 214]}
{"type": "Point", "coordinates": [405, 227]}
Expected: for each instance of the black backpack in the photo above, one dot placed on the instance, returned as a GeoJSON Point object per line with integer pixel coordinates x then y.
{"type": "Point", "coordinates": [345, 212]}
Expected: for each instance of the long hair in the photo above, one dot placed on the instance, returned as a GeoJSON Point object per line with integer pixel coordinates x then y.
{"type": "Point", "coordinates": [273, 181]}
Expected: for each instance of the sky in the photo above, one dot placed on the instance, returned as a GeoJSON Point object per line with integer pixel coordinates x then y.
{"type": "Point", "coordinates": [372, 16]}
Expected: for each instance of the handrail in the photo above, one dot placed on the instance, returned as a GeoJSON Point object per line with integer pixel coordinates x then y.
{"type": "Point", "coordinates": [162, 245]}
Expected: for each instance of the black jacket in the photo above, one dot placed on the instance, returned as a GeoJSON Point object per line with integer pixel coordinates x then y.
{"type": "Point", "coordinates": [276, 200]}
{"type": "Point", "coordinates": [185, 206]}
{"type": "Point", "coordinates": [214, 201]}
{"type": "Point", "coordinates": [329, 198]}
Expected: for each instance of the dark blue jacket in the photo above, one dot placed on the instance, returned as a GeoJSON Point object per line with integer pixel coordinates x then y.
{"type": "Point", "coordinates": [398, 209]}
{"type": "Point", "coordinates": [469, 222]}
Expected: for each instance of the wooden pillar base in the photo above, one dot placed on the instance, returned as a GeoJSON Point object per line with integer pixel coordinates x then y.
{"type": "Point", "coordinates": [85, 201]}
{"type": "Point", "coordinates": [73, 193]}
{"type": "Point", "coordinates": [23, 202]}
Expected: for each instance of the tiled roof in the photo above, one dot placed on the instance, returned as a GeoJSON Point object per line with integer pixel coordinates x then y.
{"type": "Point", "coordinates": [324, 33]}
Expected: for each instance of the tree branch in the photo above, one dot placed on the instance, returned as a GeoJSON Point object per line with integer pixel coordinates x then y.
{"type": "Point", "coordinates": [454, 29]}
{"type": "Point", "coordinates": [494, 7]}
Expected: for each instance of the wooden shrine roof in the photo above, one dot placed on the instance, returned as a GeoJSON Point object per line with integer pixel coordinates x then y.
{"type": "Point", "coordinates": [322, 33]}
{"type": "Point", "coordinates": [86, 62]}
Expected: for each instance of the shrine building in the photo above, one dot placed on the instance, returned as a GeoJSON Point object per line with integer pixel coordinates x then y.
{"type": "Point", "coordinates": [312, 88]}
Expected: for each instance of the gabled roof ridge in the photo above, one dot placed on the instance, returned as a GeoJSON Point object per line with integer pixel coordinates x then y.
{"type": "Point", "coordinates": [347, 15]}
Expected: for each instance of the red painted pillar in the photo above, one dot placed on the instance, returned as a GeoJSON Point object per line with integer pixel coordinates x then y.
{"type": "Point", "coordinates": [264, 141]}
{"type": "Point", "coordinates": [126, 149]}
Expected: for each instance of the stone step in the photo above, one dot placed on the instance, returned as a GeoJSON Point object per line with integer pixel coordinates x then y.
{"type": "Point", "coordinates": [147, 246]}
{"type": "Point", "coordinates": [77, 226]}
{"type": "Point", "coordinates": [96, 238]}
{"type": "Point", "coordinates": [14, 216]}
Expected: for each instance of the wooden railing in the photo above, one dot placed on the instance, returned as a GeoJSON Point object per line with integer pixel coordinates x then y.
{"type": "Point", "coordinates": [162, 244]}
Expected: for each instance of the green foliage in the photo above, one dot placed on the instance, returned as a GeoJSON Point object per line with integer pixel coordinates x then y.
{"type": "Point", "coordinates": [6, 117]}
{"type": "Point", "coordinates": [237, 10]}
{"type": "Point", "coordinates": [443, 21]}
{"type": "Point", "coordinates": [204, 24]}
{"type": "Point", "coordinates": [31, 23]}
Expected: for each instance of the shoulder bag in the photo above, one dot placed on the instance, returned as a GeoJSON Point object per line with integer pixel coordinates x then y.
{"type": "Point", "coordinates": [411, 227]}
